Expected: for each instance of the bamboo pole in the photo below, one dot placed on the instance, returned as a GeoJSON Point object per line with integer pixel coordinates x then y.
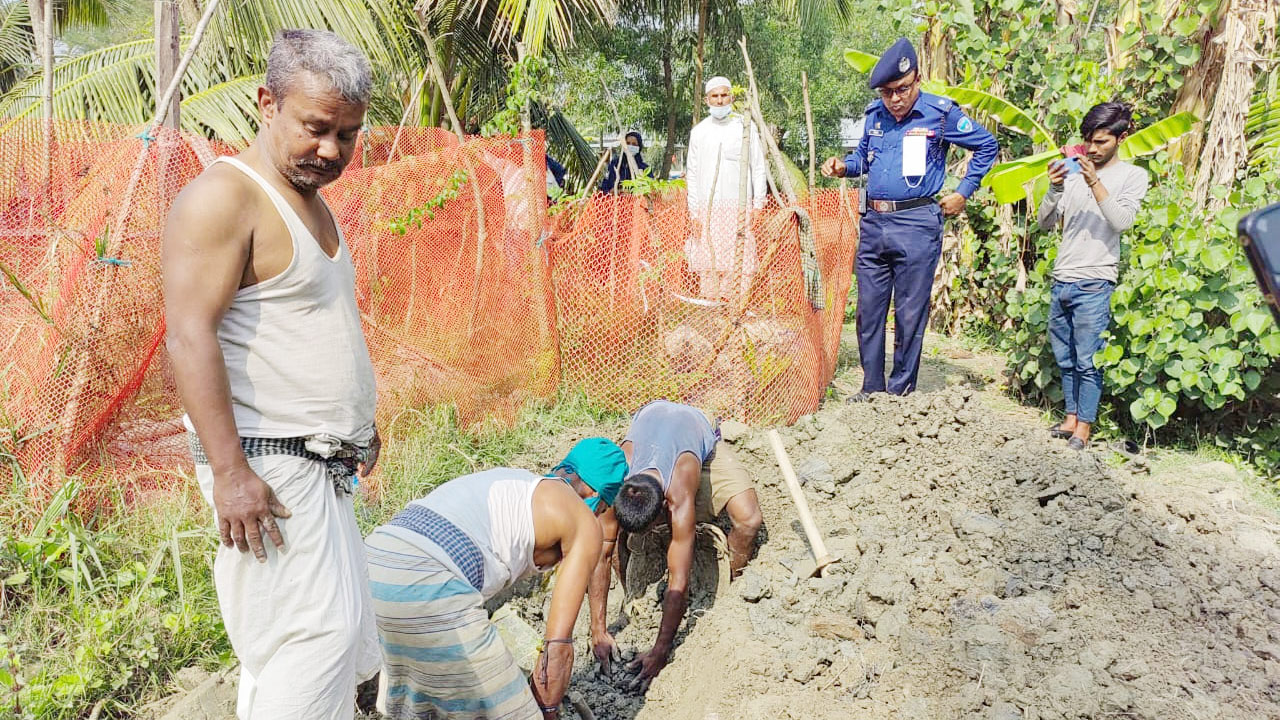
{"type": "Point", "coordinates": [481, 233]}
{"type": "Point", "coordinates": [808, 121]}
{"type": "Point", "coordinates": [115, 239]}
{"type": "Point", "coordinates": [404, 117]}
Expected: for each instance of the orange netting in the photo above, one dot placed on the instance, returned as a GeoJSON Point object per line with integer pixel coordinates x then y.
{"type": "Point", "coordinates": [470, 294]}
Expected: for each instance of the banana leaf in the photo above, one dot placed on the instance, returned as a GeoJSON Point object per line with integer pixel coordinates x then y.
{"type": "Point", "coordinates": [988, 105]}
{"type": "Point", "coordinates": [862, 62]}
{"type": "Point", "coordinates": [1007, 180]}
{"type": "Point", "coordinates": [1157, 136]}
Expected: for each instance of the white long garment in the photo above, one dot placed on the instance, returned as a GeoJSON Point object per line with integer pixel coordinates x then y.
{"type": "Point", "coordinates": [301, 623]}
{"type": "Point", "coordinates": [294, 348]}
{"type": "Point", "coordinates": [712, 174]}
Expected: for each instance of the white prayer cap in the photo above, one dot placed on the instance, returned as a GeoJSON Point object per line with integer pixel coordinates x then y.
{"type": "Point", "coordinates": [717, 81]}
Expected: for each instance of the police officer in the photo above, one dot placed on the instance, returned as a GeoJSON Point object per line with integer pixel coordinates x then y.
{"type": "Point", "coordinates": [903, 153]}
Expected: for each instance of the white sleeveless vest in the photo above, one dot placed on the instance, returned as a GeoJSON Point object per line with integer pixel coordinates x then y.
{"type": "Point", "coordinates": [294, 348]}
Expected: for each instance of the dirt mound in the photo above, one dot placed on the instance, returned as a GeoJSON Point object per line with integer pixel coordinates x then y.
{"type": "Point", "coordinates": [986, 573]}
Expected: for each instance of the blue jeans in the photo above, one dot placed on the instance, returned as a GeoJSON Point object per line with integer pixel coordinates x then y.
{"type": "Point", "coordinates": [1078, 314]}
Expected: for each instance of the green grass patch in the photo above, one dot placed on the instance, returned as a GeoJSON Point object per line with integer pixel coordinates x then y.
{"type": "Point", "coordinates": [99, 609]}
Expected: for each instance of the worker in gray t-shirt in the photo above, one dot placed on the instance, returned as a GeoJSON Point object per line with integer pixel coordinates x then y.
{"type": "Point", "coordinates": [1096, 197]}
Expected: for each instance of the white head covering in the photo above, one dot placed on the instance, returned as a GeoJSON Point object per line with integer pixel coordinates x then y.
{"type": "Point", "coordinates": [715, 82]}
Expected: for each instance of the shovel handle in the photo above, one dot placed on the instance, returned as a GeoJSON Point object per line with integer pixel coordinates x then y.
{"type": "Point", "coordinates": [797, 497]}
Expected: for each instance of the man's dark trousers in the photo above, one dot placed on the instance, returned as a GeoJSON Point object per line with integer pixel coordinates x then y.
{"type": "Point", "coordinates": [897, 255]}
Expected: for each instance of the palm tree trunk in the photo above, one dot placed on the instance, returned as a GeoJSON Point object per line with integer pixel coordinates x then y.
{"type": "Point", "coordinates": [668, 89]}
{"type": "Point", "coordinates": [42, 26]}
{"type": "Point", "coordinates": [166, 30]}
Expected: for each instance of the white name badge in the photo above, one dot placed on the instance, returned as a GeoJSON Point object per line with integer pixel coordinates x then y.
{"type": "Point", "coordinates": [914, 149]}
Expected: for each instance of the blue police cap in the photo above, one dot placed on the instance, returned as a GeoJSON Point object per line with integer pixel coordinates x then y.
{"type": "Point", "coordinates": [895, 63]}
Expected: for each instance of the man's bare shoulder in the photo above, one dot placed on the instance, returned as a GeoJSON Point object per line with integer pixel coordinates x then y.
{"type": "Point", "coordinates": [215, 200]}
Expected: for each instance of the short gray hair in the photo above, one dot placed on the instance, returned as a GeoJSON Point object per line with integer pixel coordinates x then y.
{"type": "Point", "coordinates": [322, 53]}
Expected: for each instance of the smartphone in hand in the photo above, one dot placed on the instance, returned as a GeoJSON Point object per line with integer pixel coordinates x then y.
{"type": "Point", "coordinates": [1260, 236]}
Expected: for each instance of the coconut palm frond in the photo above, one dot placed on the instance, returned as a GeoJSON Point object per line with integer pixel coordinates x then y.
{"type": "Point", "coordinates": [227, 111]}
{"type": "Point", "coordinates": [110, 84]}
{"type": "Point", "coordinates": [17, 47]}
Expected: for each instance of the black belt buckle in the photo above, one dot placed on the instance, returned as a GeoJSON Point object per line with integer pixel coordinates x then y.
{"type": "Point", "coordinates": [883, 206]}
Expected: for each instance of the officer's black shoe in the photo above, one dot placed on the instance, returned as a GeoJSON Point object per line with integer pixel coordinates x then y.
{"type": "Point", "coordinates": [858, 398]}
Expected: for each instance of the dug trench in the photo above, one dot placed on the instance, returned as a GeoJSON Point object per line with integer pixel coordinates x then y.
{"type": "Point", "coordinates": [985, 572]}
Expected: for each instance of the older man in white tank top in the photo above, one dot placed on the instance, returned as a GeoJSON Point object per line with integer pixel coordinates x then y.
{"type": "Point", "coordinates": [272, 366]}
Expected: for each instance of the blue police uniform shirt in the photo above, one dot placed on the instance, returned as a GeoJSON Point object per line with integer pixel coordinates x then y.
{"type": "Point", "coordinates": [879, 153]}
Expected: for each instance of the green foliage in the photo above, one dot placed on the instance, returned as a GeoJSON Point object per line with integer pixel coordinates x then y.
{"type": "Point", "coordinates": [644, 184]}
{"type": "Point", "coordinates": [1190, 337]}
{"type": "Point", "coordinates": [414, 218]}
{"type": "Point", "coordinates": [102, 610]}
{"type": "Point", "coordinates": [526, 80]}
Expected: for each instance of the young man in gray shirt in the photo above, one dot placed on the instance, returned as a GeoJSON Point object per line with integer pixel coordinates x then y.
{"type": "Point", "coordinates": [1095, 196]}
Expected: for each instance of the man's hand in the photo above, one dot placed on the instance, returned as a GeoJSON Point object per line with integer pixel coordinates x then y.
{"type": "Point", "coordinates": [247, 507]}
{"type": "Point", "coordinates": [649, 665]}
{"type": "Point", "coordinates": [953, 204]}
{"type": "Point", "coordinates": [606, 651]}
{"type": "Point", "coordinates": [1088, 170]}
{"type": "Point", "coordinates": [833, 167]}
{"type": "Point", "coordinates": [375, 448]}
{"type": "Point", "coordinates": [1057, 173]}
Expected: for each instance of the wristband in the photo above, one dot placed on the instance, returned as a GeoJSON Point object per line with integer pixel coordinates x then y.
{"type": "Point", "coordinates": [547, 709]}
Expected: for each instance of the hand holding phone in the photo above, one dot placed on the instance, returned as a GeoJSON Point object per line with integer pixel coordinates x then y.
{"type": "Point", "coordinates": [1072, 165]}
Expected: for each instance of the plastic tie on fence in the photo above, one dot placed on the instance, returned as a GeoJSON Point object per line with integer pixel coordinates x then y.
{"type": "Point", "coordinates": [114, 261]}
{"type": "Point", "coordinates": [146, 137]}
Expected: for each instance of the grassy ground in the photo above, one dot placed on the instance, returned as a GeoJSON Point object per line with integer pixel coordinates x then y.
{"type": "Point", "coordinates": [98, 613]}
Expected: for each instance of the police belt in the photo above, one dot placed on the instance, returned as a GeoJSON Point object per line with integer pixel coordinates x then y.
{"type": "Point", "coordinates": [890, 206]}
{"type": "Point", "coordinates": [340, 468]}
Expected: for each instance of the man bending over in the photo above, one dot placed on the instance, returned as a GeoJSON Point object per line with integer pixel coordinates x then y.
{"type": "Point", "coordinates": [681, 472]}
{"type": "Point", "coordinates": [435, 564]}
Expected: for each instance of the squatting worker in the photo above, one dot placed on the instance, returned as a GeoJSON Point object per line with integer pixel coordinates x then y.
{"type": "Point", "coordinates": [273, 370]}
{"type": "Point", "coordinates": [434, 565]}
{"type": "Point", "coordinates": [903, 153]}
{"type": "Point", "coordinates": [718, 150]}
{"type": "Point", "coordinates": [683, 474]}
{"type": "Point", "coordinates": [1095, 204]}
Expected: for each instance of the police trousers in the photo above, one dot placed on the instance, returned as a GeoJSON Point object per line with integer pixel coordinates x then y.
{"type": "Point", "coordinates": [897, 255]}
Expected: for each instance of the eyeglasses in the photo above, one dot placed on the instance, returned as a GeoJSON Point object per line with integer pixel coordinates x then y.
{"type": "Point", "coordinates": [890, 93]}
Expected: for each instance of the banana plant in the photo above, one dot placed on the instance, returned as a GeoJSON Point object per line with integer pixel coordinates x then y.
{"type": "Point", "coordinates": [1263, 130]}
{"type": "Point", "coordinates": [1008, 181]}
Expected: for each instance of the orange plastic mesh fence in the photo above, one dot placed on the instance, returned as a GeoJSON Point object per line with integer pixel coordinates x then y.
{"type": "Point", "coordinates": [470, 294]}
{"type": "Point", "coordinates": [646, 312]}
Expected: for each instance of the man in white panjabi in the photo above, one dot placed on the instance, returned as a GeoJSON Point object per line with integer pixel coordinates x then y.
{"type": "Point", "coordinates": [271, 363]}
{"type": "Point", "coordinates": [713, 174]}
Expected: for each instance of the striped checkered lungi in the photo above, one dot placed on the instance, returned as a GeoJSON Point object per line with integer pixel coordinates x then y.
{"type": "Point", "coordinates": [442, 658]}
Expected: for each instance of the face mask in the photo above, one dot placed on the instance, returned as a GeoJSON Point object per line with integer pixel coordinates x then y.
{"type": "Point", "coordinates": [633, 149]}
{"type": "Point", "coordinates": [720, 112]}
{"type": "Point", "coordinates": [593, 503]}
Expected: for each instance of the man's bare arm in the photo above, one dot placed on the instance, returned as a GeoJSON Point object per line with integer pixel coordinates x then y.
{"type": "Point", "coordinates": [602, 643]}
{"type": "Point", "coordinates": [204, 252]}
{"type": "Point", "coordinates": [681, 498]}
{"type": "Point", "coordinates": [579, 538]}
